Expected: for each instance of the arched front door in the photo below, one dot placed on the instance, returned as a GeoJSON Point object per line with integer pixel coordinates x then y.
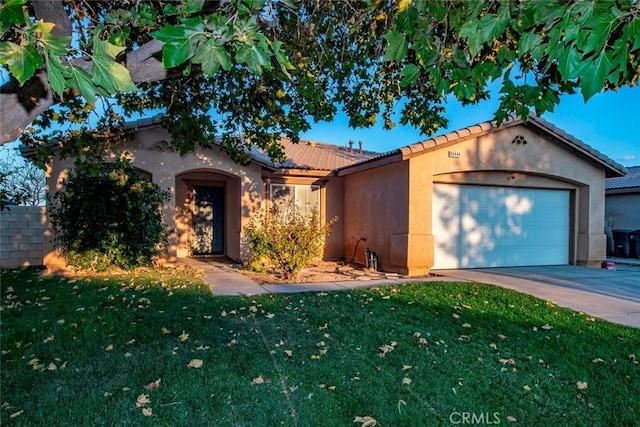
{"type": "Point", "coordinates": [208, 221]}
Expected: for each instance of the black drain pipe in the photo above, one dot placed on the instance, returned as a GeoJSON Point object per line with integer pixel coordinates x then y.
{"type": "Point", "coordinates": [361, 239]}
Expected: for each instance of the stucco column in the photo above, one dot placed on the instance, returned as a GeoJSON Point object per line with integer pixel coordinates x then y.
{"type": "Point", "coordinates": [591, 241]}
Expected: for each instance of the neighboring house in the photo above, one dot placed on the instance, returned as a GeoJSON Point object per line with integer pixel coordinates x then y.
{"type": "Point", "coordinates": [622, 200]}
{"type": "Point", "coordinates": [524, 193]}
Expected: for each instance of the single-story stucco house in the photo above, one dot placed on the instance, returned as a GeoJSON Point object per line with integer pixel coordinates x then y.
{"type": "Point", "coordinates": [523, 193]}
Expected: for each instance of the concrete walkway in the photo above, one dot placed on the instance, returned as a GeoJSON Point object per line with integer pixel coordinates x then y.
{"type": "Point", "coordinates": [610, 295]}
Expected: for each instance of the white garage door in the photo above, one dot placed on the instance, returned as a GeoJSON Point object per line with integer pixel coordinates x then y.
{"type": "Point", "coordinates": [477, 226]}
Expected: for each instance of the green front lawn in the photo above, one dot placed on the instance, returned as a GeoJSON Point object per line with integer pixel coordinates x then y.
{"type": "Point", "coordinates": [158, 349]}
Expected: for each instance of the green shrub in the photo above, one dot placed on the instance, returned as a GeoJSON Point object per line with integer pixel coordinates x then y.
{"type": "Point", "coordinates": [108, 215]}
{"type": "Point", "coordinates": [287, 241]}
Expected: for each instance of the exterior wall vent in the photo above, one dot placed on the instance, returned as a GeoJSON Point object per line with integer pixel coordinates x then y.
{"type": "Point", "coordinates": [519, 140]}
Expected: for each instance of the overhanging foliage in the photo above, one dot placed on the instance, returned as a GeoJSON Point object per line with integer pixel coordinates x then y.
{"type": "Point", "coordinates": [272, 67]}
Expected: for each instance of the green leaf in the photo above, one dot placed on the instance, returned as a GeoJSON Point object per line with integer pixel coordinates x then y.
{"type": "Point", "coordinates": [473, 36]}
{"type": "Point", "coordinates": [81, 81]}
{"type": "Point", "coordinates": [171, 9]}
{"type": "Point", "coordinates": [291, 4]}
{"type": "Point", "coordinates": [492, 26]}
{"type": "Point", "coordinates": [212, 57]}
{"type": "Point", "coordinates": [55, 45]}
{"type": "Point", "coordinates": [23, 61]}
{"type": "Point", "coordinates": [103, 48]}
{"type": "Point", "coordinates": [256, 5]}
{"type": "Point", "coordinates": [177, 48]}
{"type": "Point", "coordinates": [8, 51]}
{"type": "Point", "coordinates": [55, 73]}
{"type": "Point", "coordinates": [111, 76]}
{"type": "Point", "coordinates": [11, 13]}
{"type": "Point", "coordinates": [256, 57]}
{"type": "Point", "coordinates": [410, 74]}
{"type": "Point", "coordinates": [281, 57]}
{"type": "Point", "coordinates": [594, 76]}
{"type": "Point", "coordinates": [193, 6]}
{"type": "Point", "coordinates": [528, 42]}
{"type": "Point", "coordinates": [397, 47]}
{"type": "Point", "coordinates": [631, 33]}
{"type": "Point", "coordinates": [570, 63]}
{"type": "Point", "coordinates": [601, 28]}
{"type": "Point", "coordinates": [180, 40]}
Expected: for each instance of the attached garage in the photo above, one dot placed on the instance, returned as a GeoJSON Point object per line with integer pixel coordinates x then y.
{"type": "Point", "coordinates": [478, 226]}
{"type": "Point", "coordinates": [522, 193]}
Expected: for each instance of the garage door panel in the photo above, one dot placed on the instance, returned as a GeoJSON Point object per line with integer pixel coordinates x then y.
{"type": "Point", "coordinates": [481, 226]}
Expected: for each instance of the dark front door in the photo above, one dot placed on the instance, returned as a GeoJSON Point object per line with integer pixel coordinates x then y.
{"type": "Point", "coordinates": [208, 221]}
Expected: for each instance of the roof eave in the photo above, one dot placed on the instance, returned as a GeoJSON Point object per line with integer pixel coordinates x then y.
{"type": "Point", "coordinates": [612, 168]}
{"type": "Point", "coordinates": [385, 159]}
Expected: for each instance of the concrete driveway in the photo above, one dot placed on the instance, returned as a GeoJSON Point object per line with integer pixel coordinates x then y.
{"type": "Point", "coordinates": [610, 295]}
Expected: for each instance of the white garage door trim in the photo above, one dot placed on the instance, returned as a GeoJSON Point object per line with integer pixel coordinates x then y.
{"type": "Point", "coordinates": [481, 226]}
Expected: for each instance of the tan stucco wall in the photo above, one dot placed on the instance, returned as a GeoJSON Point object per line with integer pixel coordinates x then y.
{"type": "Point", "coordinates": [151, 152]}
{"type": "Point", "coordinates": [375, 204]}
{"type": "Point", "coordinates": [245, 190]}
{"type": "Point", "coordinates": [489, 159]}
{"type": "Point", "coordinates": [623, 210]}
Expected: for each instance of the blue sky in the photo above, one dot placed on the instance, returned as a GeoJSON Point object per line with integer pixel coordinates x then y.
{"type": "Point", "coordinates": [608, 122]}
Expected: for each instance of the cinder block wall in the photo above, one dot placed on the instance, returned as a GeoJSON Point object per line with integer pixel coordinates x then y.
{"type": "Point", "coordinates": [22, 236]}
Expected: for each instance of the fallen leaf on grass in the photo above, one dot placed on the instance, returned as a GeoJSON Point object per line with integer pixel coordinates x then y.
{"type": "Point", "coordinates": [147, 412]}
{"type": "Point", "coordinates": [109, 347]}
{"type": "Point", "coordinates": [183, 336]}
{"type": "Point", "coordinates": [152, 385]}
{"type": "Point", "coordinates": [511, 419]}
{"type": "Point", "coordinates": [259, 380]}
{"type": "Point", "coordinates": [195, 363]}
{"type": "Point", "coordinates": [406, 367]}
{"type": "Point", "coordinates": [142, 400]}
{"type": "Point", "coordinates": [270, 316]}
{"type": "Point", "coordinates": [597, 360]}
{"type": "Point", "coordinates": [582, 385]}
{"type": "Point", "coordinates": [526, 388]}
{"type": "Point", "coordinates": [547, 327]}
{"type": "Point", "coordinates": [288, 353]}
{"type": "Point", "coordinates": [406, 381]}
{"type": "Point", "coordinates": [366, 421]}
{"type": "Point", "coordinates": [466, 325]}
{"type": "Point", "coordinates": [15, 414]}
{"type": "Point", "coordinates": [385, 348]}
{"type": "Point", "coordinates": [508, 361]}
{"type": "Point", "coordinates": [52, 367]}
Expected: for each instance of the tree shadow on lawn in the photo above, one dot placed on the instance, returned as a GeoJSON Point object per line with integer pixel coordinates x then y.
{"type": "Point", "coordinates": [82, 350]}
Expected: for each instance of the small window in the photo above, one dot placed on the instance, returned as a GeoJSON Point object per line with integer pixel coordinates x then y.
{"type": "Point", "coordinates": [303, 198]}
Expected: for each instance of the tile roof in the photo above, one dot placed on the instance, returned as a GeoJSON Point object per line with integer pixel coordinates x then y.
{"type": "Point", "coordinates": [631, 180]}
{"type": "Point", "coordinates": [314, 155]}
{"type": "Point", "coordinates": [612, 168]}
